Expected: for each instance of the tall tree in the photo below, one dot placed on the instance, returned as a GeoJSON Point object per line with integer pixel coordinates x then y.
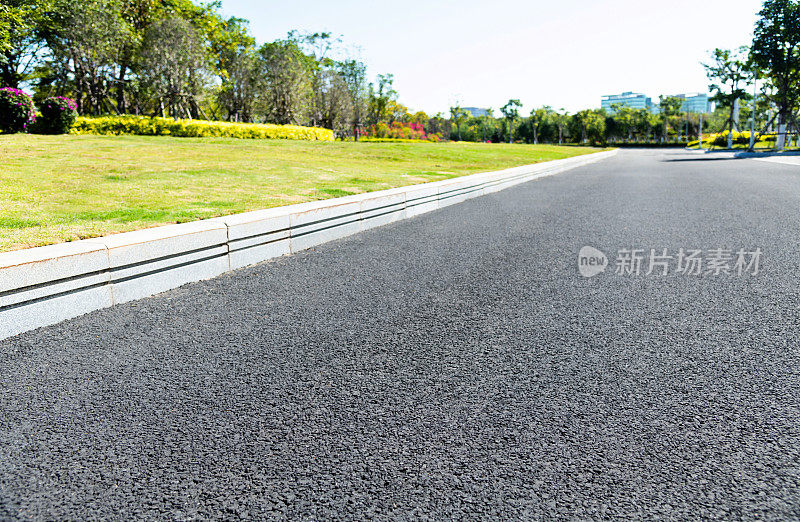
{"type": "Point", "coordinates": [591, 125]}
{"type": "Point", "coordinates": [137, 15]}
{"type": "Point", "coordinates": [285, 69]}
{"type": "Point", "coordinates": [380, 98]}
{"type": "Point", "coordinates": [645, 121]}
{"type": "Point", "coordinates": [84, 39]}
{"type": "Point", "coordinates": [486, 121]}
{"type": "Point", "coordinates": [776, 49]}
{"type": "Point", "coordinates": [670, 108]}
{"type": "Point", "coordinates": [729, 72]}
{"type": "Point", "coordinates": [334, 102]}
{"type": "Point", "coordinates": [174, 64]}
{"type": "Point", "coordinates": [511, 114]}
{"type": "Point", "coordinates": [538, 117]}
{"type": "Point", "coordinates": [354, 75]}
{"type": "Point", "coordinates": [319, 47]}
{"type": "Point", "coordinates": [458, 116]}
{"type": "Point", "coordinates": [561, 119]}
{"type": "Point", "coordinates": [20, 42]}
{"type": "Point", "coordinates": [625, 117]}
{"type": "Point", "coordinates": [238, 71]}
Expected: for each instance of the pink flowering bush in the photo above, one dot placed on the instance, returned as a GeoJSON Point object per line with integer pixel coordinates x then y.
{"type": "Point", "coordinates": [58, 115]}
{"type": "Point", "coordinates": [16, 110]}
{"type": "Point", "coordinates": [401, 131]}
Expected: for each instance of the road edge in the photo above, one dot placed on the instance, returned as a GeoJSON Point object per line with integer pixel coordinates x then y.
{"type": "Point", "coordinates": [46, 285]}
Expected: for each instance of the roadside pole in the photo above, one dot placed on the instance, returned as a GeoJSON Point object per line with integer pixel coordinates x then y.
{"type": "Point", "coordinates": [753, 113]}
{"type": "Point", "coordinates": [700, 133]}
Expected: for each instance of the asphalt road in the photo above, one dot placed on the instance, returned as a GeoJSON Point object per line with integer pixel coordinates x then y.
{"type": "Point", "coordinates": [454, 365]}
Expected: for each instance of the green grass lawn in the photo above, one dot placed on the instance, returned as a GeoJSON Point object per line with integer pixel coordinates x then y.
{"type": "Point", "coordinates": [62, 188]}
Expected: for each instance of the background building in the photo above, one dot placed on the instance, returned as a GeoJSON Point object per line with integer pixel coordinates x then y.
{"type": "Point", "coordinates": [695, 102]}
{"type": "Point", "coordinates": [634, 100]}
{"type": "Point", "coordinates": [476, 112]}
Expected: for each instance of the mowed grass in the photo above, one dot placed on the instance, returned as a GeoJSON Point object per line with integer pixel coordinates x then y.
{"type": "Point", "coordinates": [63, 188]}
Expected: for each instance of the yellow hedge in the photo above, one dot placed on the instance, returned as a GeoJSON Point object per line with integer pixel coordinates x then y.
{"type": "Point", "coordinates": [720, 139]}
{"type": "Point", "coordinates": [146, 126]}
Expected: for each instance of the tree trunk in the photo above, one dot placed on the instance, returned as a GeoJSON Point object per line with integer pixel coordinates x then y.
{"type": "Point", "coordinates": [780, 144]}
{"type": "Point", "coordinates": [730, 127]}
{"type": "Point", "coordinates": [121, 108]}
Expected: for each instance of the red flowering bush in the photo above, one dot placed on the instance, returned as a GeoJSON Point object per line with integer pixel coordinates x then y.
{"type": "Point", "coordinates": [58, 115]}
{"type": "Point", "coordinates": [400, 131]}
{"type": "Point", "coordinates": [16, 110]}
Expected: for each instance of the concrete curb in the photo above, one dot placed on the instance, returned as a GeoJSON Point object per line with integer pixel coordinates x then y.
{"type": "Point", "coordinates": [46, 285]}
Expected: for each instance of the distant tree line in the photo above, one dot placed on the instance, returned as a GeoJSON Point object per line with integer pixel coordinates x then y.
{"type": "Point", "coordinates": [183, 59]}
{"type": "Point", "coordinates": [771, 63]}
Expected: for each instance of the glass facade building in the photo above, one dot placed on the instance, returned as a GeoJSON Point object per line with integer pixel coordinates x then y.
{"type": "Point", "coordinates": [634, 100]}
{"type": "Point", "coordinates": [695, 102]}
{"type": "Point", "coordinates": [476, 112]}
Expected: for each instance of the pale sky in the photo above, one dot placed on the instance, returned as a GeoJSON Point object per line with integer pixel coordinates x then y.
{"type": "Point", "coordinates": [562, 53]}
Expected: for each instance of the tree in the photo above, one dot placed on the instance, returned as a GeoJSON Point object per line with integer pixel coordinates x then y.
{"type": "Point", "coordinates": [538, 117]}
{"type": "Point", "coordinates": [137, 16]}
{"type": "Point", "coordinates": [20, 42]}
{"type": "Point", "coordinates": [285, 68]}
{"type": "Point", "coordinates": [318, 47]}
{"type": "Point", "coordinates": [333, 102]}
{"type": "Point", "coordinates": [591, 124]}
{"type": "Point", "coordinates": [670, 108]}
{"type": "Point", "coordinates": [239, 73]}
{"type": "Point", "coordinates": [354, 75]}
{"type": "Point", "coordinates": [776, 49]}
{"type": "Point", "coordinates": [438, 125]}
{"type": "Point", "coordinates": [511, 113]}
{"type": "Point", "coordinates": [458, 116]}
{"type": "Point", "coordinates": [486, 120]}
{"type": "Point", "coordinates": [645, 121]}
{"type": "Point", "coordinates": [380, 98]}
{"type": "Point", "coordinates": [561, 120]}
{"type": "Point", "coordinates": [174, 65]}
{"type": "Point", "coordinates": [84, 39]}
{"type": "Point", "coordinates": [625, 117]}
{"type": "Point", "coordinates": [396, 111]}
{"type": "Point", "coordinates": [729, 74]}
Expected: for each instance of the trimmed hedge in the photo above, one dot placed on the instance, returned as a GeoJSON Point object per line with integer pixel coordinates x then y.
{"type": "Point", "coordinates": [146, 126]}
{"type": "Point", "coordinates": [649, 145]}
{"type": "Point", "coordinates": [16, 110]}
{"type": "Point", "coordinates": [739, 138]}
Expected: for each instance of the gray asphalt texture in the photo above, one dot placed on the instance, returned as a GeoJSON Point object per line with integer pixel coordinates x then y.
{"type": "Point", "coordinates": [451, 366]}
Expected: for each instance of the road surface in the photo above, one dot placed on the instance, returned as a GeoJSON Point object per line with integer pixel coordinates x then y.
{"type": "Point", "coordinates": [455, 365]}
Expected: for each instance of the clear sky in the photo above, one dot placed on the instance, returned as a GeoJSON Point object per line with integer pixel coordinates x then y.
{"type": "Point", "coordinates": [562, 53]}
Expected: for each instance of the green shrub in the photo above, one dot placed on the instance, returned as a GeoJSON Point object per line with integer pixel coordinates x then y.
{"type": "Point", "coordinates": [739, 138]}
{"type": "Point", "coordinates": [58, 115]}
{"type": "Point", "coordinates": [146, 126]}
{"type": "Point", "coordinates": [16, 110]}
